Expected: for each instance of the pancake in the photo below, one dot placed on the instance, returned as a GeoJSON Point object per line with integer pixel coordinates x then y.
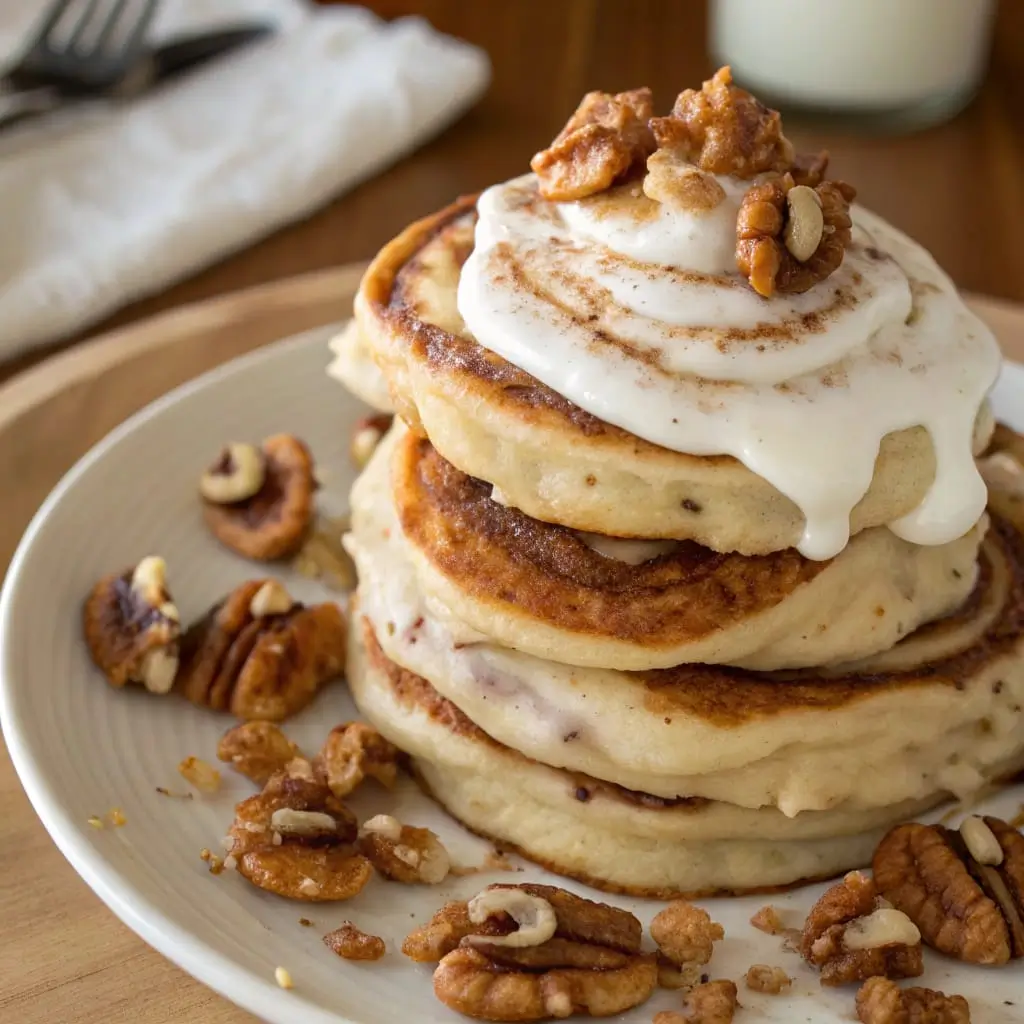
{"type": "Point", "coordinates": [545, 590]}
{"type": "Point", "coordinates": [941, 718]}
{"type": "Point", "coordinates": [353, 366]}
{"type": "Point", "coordinates": [558, 463]}
{"type": "Point", "coordinates": [613, 839]}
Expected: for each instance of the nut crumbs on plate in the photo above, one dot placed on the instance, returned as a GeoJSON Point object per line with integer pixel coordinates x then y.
{"type": "Point", "coordinates": [351, 943]}
{"type": "Point", "coordinates": [283, 978]}
{"type": "Point", "coordinates": [116, 817]}
{"type": "Point", "coordinates": [198, 773]}
{"type": "Point", "coordinates": [770, 980]}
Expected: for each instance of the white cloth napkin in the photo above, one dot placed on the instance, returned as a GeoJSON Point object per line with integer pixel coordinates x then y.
{"type": "Point", "coordinates": [107, 205]}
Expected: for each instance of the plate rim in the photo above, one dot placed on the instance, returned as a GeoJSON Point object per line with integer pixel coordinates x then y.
{"type": "Point", "coordinates": [204, 962]}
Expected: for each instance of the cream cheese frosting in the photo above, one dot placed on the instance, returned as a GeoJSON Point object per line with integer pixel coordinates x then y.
{"type": "Point", "coordinates": [634, 311]}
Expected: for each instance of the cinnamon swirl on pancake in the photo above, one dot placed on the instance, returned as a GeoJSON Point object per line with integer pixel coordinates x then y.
{"type": "Point", "coordinates": [590, 600]}
{"type": "Point", "coordinates": [935, 715]}
{"type": "Point", "coordinates": [563, 464]}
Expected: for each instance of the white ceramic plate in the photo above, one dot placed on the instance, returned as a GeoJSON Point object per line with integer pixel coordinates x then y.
{"type": "Point", "coordinates": [82, 748]}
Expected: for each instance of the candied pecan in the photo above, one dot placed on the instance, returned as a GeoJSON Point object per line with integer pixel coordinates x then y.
{"type": "Point", "coordinates": [132, 628]}
{"type": "Point", "coordinates": [296, 839]}
{"type": "Point", "coordinates": [261, 666]}
{"type": "Point", "coordinates": [949, 885]}
{"type": "Point", "coordinates": [714, 1002]}
{"type": "Point", "coordinates": [352, 752]}
{"type": "Point", "coordinates": [685, 933]}
{"type": "Point", "coordinates": [789, 237]}
{"type": "Point", "coordinates": [675, 976]}
{"type": "Point", "coordinates": [351, 943]}
{"type": "Point", "coordinates": [402, 853]}
{"type": "Point", "coordinates": [771, 980]}
{"type": "Point", "coordinates": [724, 130]}
{"type": "Point", "coordinates": [270, 521]}
{"type": "Point", "coordinates": [881, 1001]}
{"type": "Point", "coordinates": [600, 144]}
{"type": "Point", "coordinates": [446, 930]}
{"type": "Point", "coordinates": [366, 435]}
{"type": "Point", "coordinates": [849, 936]}
{"type": "Point", "coordinates": [256, 750]}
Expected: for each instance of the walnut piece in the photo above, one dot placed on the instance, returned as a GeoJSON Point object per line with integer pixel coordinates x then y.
{"type": "Point", "coordinates": [352, 944]}
{"type": "Point", "coordinates": [272, 521]}
{"type": "Point", "coordinates": [685, 934]}
{"type": "Point", "coordinates": [844, 939]}
{"type": "Point", "coordinates": [768, 223]}
{"type": "Point", "coordinates": [237, 474]}
{"type": "Point", "coordinates": [366, 435]}
{"type": "Point", "coordinates": [352, 752]}
{"type": "Point", "coordinates": [297, 840]}
{"type": "Point", "coordinates": [724, 130]}
{"type": "Point", "coordinates": [965, 908]}
{"type": "Point", "coordinates": [402, 853]}
{"type": "Point", "coordinates": [267, 667]}
{"type": "Point", "coordinates": [132, 627]}
{"type": "Point", "coordinates": [881, 1001]}
{"type": "Point", "coordinates": [256, 750]}
{"type": "Point", "coordinates": [714, 1002]}
{"type": "Point", "coordinates": [600, 144]}
{"type": "Point", "coordinates": [770, 980]}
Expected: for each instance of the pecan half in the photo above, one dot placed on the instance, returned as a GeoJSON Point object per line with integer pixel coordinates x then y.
{"type": "Point", "coordinates": [724, 130]}
{"type": "Point", "coordinates": [789, 237]}
{"type": "Point", "coordinates": [600, 144]}
{"type": "Point", "coordinates": [270, 521]}
{"type": "Point", "coordinates": [964, 906]}
{"type": "Point", "coordinates": [881, 1001]}
{"type": "Point", "coordinates": [402, 853]}
{"type": "Point", "coordinates": [352, 752]}
{"type": "Point", "coordinates": [261, 666]}
{"type": "Point", "coordinates": [849, 936]}
{"type": "Point", "coordinates": [295, 839]}
{"type": "Point", "coordinates": [132, 628]}
{"type": "Point", "coordinates": [500, 959]}
{"type": "Point", "coordinates": [257, 750]}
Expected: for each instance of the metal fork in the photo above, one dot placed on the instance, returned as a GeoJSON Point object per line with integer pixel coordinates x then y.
{"type": "Point", "coordinates": [81, 48]}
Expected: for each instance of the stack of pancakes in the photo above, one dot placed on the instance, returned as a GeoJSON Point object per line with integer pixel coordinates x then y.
{"type": "Point", "coordinates": [610, 657]}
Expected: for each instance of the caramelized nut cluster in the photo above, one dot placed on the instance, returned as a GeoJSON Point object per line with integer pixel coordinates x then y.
{"type": "Point", "coordinates": [850, 935]}
{"type": "Point", "coordinates": [601, 143]}
{"type": "Point", "coordinates": [529, 952]}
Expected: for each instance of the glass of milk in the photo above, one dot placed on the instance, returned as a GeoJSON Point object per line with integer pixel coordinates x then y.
{"type": "Point", "coordinates": [899, 63]}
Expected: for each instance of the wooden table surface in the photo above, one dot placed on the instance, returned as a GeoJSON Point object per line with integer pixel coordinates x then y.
{"type": "Point", "coordinates": [959, 188]}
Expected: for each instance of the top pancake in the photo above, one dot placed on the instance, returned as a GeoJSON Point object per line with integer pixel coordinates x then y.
{"type": "Point", "coordinates": [550, 458]}
{"type": "Point", "coordinates": [545, 590]}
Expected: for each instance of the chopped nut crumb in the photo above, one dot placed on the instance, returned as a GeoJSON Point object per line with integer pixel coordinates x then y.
{"type": "Point", "coordinates": [198, 773]}
{"type": "Point", "coordinates": [116, 817]}
{"type": "Point", "coordinates": [767, 920]}
{"type": "Point", "coordinates": [350, 943]}
{"type": "Point", "coordinates": [670, 1017]}
{"type": "Point", "coordinates": [95, 822]}
{"type": "Point", "coordinates": [305, 922]}
{"type": "Point", "coordinates": [685, 933]}
{"type": "Point", "coordinates": [711, 1003]}
{"type": "Point", "coordinates": [770, 980]}
{"type": "Point", "coordinates": [283, 978]}
{"type": "Point", "coordinates": [215, 862]}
